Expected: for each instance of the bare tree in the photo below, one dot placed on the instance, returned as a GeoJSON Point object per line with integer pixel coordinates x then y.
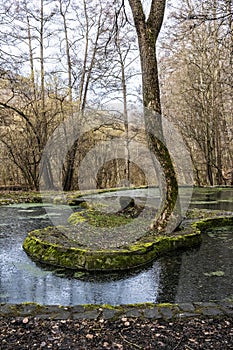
{"type": "Point", "coordinates": [198, 88]}
{"type": "Point", "coordinates": [26, 98]}
{"type": "Point", "coordinates": [93, 25]}
{"type": "Point", "coordinates": [147, 31]}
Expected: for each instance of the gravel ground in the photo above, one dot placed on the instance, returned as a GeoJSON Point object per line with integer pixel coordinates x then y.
{"type": "Point", "coordinates": [122, 334]}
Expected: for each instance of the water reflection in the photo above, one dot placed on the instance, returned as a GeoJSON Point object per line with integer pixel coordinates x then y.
{"type": "Point", "coordinates": [213, 199]}
{"type": "Point", "coordinates": [169, 277]}
{"type": "Point", "coordinates": [211, 277]}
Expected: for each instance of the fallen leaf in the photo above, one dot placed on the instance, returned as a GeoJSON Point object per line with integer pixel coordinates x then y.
{"type": "Point", "coordinates": [89, 336]}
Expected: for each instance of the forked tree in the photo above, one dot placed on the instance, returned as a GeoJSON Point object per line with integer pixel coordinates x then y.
{"type": "Point", "coordinates": [148, 29]}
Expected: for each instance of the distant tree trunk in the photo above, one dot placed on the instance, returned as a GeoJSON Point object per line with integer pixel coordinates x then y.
{"type": "Point", "coordinates": [122, 57]}
{"type": "Point", "coordinates": [69, 173]}
{"type": "Point", "coordinates": [88, 66]}
{"type": "Point", "coordinates": [147, 32]}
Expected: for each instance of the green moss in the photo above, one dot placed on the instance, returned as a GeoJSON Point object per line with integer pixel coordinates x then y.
{"type": "Point", "coordinates": [141, 305]}
{"type": "Point", "coordinates": [169, 305]}
{"type": "Point", "coordinates": [30, 308]}
{"type": "Point", "coordinates": [206, 224]}
{"type": "Point", "coordinates": [98, 219]}
{"type": "Point", "coordinates": [77, 218]}
{"type": "Point", "coordinates": [110, 307]}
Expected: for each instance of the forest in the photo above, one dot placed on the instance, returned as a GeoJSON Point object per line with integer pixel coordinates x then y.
{"type": "Point", "coordinates": [79, 60]}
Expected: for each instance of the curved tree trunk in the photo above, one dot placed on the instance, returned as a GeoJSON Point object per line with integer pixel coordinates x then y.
{"type": "Point", "coordinates": [147, 32]}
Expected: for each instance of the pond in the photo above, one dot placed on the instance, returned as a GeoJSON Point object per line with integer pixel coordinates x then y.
{"type": "Point", "coordinates": [200, 274]}
{"type": "Point", "coordinates": [203, 198]}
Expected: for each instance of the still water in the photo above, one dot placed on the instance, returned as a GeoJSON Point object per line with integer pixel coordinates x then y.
{"type": "Point", "coordinates": [201, 274]}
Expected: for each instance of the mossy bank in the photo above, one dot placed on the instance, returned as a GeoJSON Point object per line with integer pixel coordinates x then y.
{"type": "Point", "coordinates": [57, 246]}
{"type": "Point", "coordinates": [213, 309]}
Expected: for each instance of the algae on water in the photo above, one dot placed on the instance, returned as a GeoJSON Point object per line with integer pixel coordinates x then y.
{"type": "Point", "coordinates": [214, 273]}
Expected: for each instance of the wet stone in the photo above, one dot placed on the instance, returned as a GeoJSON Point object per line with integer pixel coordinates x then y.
{"type": "Point", "coordinates": [108, 313]}
{"type": "Point", "coordinates": [152, 313]}
{"type": "Point", "coordinates": [62, 315]}
{"type": "Point", "coordinates": [52, 309]}
{"type": "Point", "coordinates": [187, 307]}
{"type": "Point", "coordinates": [132, 313]}
{"type": "Point", "coordinates": [77, 316]}
{"type": "Point", "coordinates": [90, 315]}
{"type": "Point", "coordinates": [228, 312]}
{"type": "Point", "coordinates": [205, 304]}
{"type": "Point", "coordinates": [226, 304]}
{"type": "Point", "coordinates": [27, 312]}
{"type": "Point", "coordinates": [78, 309]}
{"type": "Point", "coordinates": [166, 312]}
{"type": "Point", "coordinates": [211, 311]}
{"type": "Point", "coordinates": [5, 309]}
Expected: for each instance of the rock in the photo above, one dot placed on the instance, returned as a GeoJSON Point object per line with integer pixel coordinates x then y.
{"type": "Point", "coordinates": [126, 202]}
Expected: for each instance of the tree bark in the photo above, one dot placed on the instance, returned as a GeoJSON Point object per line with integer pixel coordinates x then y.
{"type": "Point", "coordinates": [147, 32]}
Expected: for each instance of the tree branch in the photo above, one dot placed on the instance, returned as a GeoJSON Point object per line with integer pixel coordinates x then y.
{"type": "Point", "coordinates": [23, 115]}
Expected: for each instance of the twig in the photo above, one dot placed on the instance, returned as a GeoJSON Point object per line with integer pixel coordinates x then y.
{"type": "Point", "coordinates": [133, 344]}
{"type": "Point", "coordinates": [178, 344]}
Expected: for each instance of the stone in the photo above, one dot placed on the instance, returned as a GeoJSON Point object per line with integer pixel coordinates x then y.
{"type": "Point", "coordinates": [77, 316]}
{"type": "Point", "coordinates": [78, 309]}
{"type": "Point", "coordinates": [30, 309]}
{"type": "Point", "coordinates": [90, 315]}
{"type": "Point", "coordinates": [166, 312]}
{"type": "Point", "coordinates": [126, 202]}
{"type": "Point", "coordinates": [109, 314]}
{"type": "Point", "coordinates": [228, 312]}
{"type": "Point", "coordinates": [205, 304]}
{"type": "Point", "coordinates": [5, 309]}
{"type": "Point", "coordinates": [132, 313]}
{"type": "Point", "coordinates": [226, 303]}
{"type": "Point", "coordinates": [152, 313]}
{"type": "Point", "coordinates": [62, 315]}
{"type": "Point", "coordinates": [211, 311]}
{"type": "Point", "coordinates": [187, 307]}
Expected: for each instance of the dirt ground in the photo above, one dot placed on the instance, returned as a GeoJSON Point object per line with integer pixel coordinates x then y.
{"type": "Point", "coordinates": [122, 334]}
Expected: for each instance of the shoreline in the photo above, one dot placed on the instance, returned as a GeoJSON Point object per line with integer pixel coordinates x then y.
{"type": "Point", "coordinates": [166, 311]}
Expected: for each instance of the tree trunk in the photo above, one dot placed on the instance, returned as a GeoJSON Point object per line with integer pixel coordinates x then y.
{"type": "Point", "coordinates": [147, 32]}
{"type": "Point", "coordinates": [68, 180]}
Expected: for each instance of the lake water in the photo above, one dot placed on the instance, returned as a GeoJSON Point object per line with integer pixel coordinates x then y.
{"type": "Point", "coordinates": [200, 274]}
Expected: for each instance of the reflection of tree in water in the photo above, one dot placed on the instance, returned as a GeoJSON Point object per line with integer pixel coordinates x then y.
{"type": "Point", "coordinates": [212, 199]}
{"type": "Point", "coordinates": [169, 277]}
